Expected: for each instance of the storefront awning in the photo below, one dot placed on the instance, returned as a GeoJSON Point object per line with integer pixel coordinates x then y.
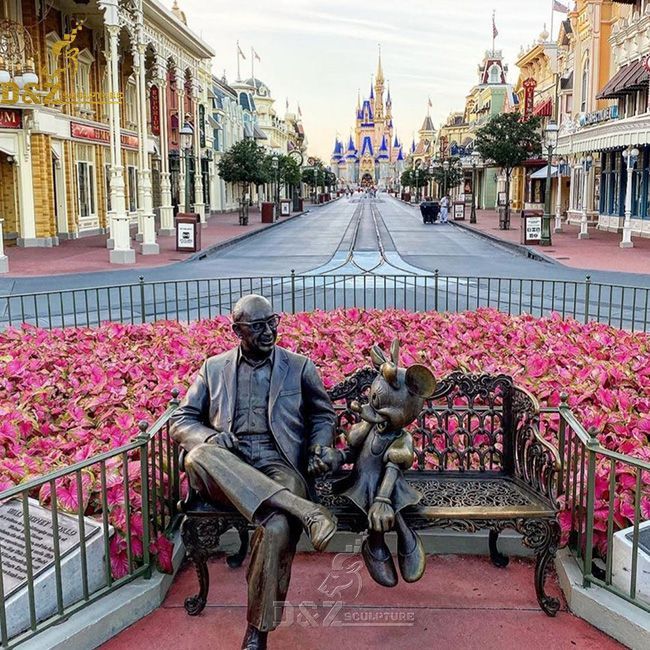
{"type": "Point", "coordinates": [629, 78]}
{"type": "Point", "coordinates": [544, 108]}
{"type": "Point", "coordinates": [543, 172]}
{"type": "Point", "coordinates": [259, 134]}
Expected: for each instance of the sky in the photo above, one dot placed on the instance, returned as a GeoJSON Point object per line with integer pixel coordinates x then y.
{"type": "Point", "coordinates": [318, 53]}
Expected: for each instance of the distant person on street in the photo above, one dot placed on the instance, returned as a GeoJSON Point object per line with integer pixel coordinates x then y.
{"type": "Point", "coordinates": [444, 209]}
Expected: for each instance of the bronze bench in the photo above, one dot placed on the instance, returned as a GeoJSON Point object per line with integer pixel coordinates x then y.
{"type": "Point", "coordinates": [480, 464]}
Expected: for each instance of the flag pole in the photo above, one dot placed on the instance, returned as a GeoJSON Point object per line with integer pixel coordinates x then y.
{"type": "Point", "coordinates": [253, 64]}
{"type": "Point", "coordinates": [238, 72]}
{"type": "Point", "coordinates": [493, 24]}
{"type": "Point", "coordinates": [552, 19]}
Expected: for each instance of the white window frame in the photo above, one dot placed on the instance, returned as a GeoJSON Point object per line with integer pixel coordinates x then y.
{"type": "Point", "coordinates": [82, 82]}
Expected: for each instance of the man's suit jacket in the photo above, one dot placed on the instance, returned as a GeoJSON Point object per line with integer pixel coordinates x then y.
{"type": "Point", "coordinates": [300, 410]}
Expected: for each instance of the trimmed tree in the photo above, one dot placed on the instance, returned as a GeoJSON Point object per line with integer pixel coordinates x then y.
{"type": "Point", "coordinates": [451, 178]}
{"type": "Point", "coordinates": [244, 163]}
{"type": "Point", "coordinates": [507, 140]}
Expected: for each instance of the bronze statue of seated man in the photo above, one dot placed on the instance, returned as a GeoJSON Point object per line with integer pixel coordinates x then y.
{"type": "Point", "coordinates": [250, 423]}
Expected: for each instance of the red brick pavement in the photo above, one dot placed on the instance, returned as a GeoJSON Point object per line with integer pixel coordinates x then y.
{"type": "Point", "coordinates": [601, 251]}
{"type": "Point", "coordinates": [462, 602]}
{"type": "Point", "coordinates": [89, 254]}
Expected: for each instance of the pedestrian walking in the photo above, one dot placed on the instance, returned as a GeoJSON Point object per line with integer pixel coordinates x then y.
{"type": "Point", "coordinates": [444, 209]}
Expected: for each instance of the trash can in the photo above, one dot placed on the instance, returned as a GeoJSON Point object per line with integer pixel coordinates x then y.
{"type": "Point", "coordinates": [406, 197]}
{"type": "Point", "coordinates": [285, 207]}
{"type": "Point", "coordinates": [268, 212]}
{"type": "Point", "coordinates": [531, 226]}
{"type": "Point", "coordinates": [429, 211]}
{"type": "Point", "coordinates": [188, 232]}
{"type": "Point", "coordinates": [504, 219]}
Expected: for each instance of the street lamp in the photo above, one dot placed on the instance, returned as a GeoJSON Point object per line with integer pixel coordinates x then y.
{"type": "Point", "coordinates": [558, 202]}
{"type": "Point", "coordinates": [630, 156]}
{"type": "Point", "coordinates": [586, 163]}
{"type": "Point", "coordinates": [476, 159]}
{"type": "Point", "coordinates": [186, 133]}
{"type": "Point", "coordinates": [445, 169]}
{"type": "Point", "coordinates": [417, 185]}
{"type": "Point", "coordinates": [275, 163]}
{"type": "Point", "coordinates": [551, 133]}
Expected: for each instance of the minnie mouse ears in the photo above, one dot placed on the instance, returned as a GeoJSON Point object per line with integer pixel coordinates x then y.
{"type": "Point", "coordinates": [420, 381]}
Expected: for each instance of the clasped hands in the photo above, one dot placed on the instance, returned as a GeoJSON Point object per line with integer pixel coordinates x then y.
{"type": "Point", "coordinates": [322, 459]}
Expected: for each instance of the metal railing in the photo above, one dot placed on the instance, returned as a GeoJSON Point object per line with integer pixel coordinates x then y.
{"type": "Point", "coordinates": [625, 307]}
{"type": "Point", "coordinates": [592, 487]}
{"type": "Point", "coordinates": [140, 477]}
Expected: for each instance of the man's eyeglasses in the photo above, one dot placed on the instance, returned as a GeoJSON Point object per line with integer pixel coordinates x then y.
{"type": "Point", "coordinates": [259, 326]}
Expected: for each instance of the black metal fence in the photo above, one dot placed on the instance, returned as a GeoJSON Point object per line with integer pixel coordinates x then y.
{"type": "Point", "coordinates": [625, 307]}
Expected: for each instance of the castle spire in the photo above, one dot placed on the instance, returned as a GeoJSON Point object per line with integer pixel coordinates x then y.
{"type": "Point", "coordinates": [380, 72]}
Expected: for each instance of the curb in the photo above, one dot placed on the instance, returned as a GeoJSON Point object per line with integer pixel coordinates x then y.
{"type": "Point", "coordinates": [613, 615]}
{"type": "Point", "coordinates": [202, 254]}
{"type": "Point", "coordinates": [520, 249]}
{"type": "Point", "coordinates": [110, 615]}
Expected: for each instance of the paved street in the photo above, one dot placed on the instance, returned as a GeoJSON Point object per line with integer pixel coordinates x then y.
{"type": "Point", "coordinates": [355, 251]}
{"type": "Point", "coordinates": [309, 242]}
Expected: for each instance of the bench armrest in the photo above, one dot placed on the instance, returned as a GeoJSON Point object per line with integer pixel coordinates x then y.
{"type": "Point", "coordinates": [536, 460]}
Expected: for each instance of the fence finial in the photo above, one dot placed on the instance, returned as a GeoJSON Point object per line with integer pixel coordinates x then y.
{"type": "Point", "coordinates": [143, 425]}
{"type": "Point", "coordinates": [174, 400]}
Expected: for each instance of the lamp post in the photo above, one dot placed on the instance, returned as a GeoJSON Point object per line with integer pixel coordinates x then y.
{"type": "Point", "coordinates": [417, 185]}
{"type": "Point", "coordinates": [445, 169]}
{"type": "Point", "coordinates": [476, 158]}
{"type": "Point", "coordinates": [275, 163]}
{"type": "Point", "coordinates": [558, 202]}
{"type": "Point", "coordinates": [551, 132]}
{"type": "Point", "coordinates": [586, 163]}
{"type": "Point", "coordinates": [187, 134]}
{"type": "Point", "coordinates": [630, 156]}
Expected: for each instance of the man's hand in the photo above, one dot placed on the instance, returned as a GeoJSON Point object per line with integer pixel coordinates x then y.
{"type": "Point", "coordinates": [381, 517]}
{"type": "Point", "coordinates": [225, 439]}
{"type": "Point", "coordinates": [323, 460]}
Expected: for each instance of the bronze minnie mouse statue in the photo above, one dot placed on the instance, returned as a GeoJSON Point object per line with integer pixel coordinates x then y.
{"type": "Point", "coordinates": [380, 450]}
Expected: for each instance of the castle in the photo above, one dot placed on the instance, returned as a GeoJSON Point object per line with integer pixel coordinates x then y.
{"type": "Point", "coordinates": [373, 155]}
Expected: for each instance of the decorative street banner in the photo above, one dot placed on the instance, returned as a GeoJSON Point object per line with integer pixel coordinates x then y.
{"type": "Point", "coordinates": [529, 98]}
{"type": "Point", "coordinates": [201, 126]}
{"type": "Point", "coordinates": [154, 100]}
{"type": "Point", "coordinates": [10, 119]}
{"type": "Point", "coordinates": [101, 135]}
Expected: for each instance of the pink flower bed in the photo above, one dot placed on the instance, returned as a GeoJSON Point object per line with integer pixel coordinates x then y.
{"type": "Point", "coordinates": [68, 394]}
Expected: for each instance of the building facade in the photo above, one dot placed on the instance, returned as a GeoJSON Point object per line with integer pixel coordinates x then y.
{"type": "Point", "coordinates": [93, 98]}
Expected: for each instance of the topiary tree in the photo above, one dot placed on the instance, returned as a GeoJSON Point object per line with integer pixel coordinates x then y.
{"type": "Point", "coordinates": [507, 140]}
{"type": "Point", "coordinates": [244, 163]}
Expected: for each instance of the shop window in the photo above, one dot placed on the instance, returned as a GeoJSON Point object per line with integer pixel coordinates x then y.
{"type": "Point", "coordinates": [132, 179]}
{"type": "Point", "coordinates": [131, 104]}
{"type": "Point", "coordinates": [86, 186]}
{"type": "Point", "coordinates": [82, 87]}
{"type": "Point", "coordinates": [584, 87]}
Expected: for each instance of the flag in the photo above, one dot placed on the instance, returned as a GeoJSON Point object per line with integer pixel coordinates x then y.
{"type": "Point", "coordinates": [299, 111]}
{"type": "Point", "coordinates": [239, 51]}
{"type": "Point", "coordinates": [287, 105]}
{"type": "Point", "coordinates": [495, 31]}
{"type": "Point", "coordinates": [256, 55]}
{"type": "Point", "coordinates": [430, 104]}
{"type": "Point", "coordinates": [558, 6]}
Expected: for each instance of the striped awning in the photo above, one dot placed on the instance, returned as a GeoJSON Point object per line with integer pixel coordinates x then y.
{"type": "Point", "coordinates": [628, 79]}
{"type": "Point", "coordinates": [544, 108]}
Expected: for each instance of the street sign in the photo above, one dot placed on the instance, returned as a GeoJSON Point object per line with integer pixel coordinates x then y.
{"type": "Point", "coordinates": [531, 232]}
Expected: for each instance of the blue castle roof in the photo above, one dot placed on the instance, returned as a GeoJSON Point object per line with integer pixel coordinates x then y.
{"type": "Point", "coordinates": [383, 149]}
{"type": "Point", "coordinates": [395, 141]}
{"type": "Point", "coordinates": [366, 147]}
{"type": "Point", "coordinates": [400, 155]}
{"type": "Point", "coordinates": [338, 149]}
